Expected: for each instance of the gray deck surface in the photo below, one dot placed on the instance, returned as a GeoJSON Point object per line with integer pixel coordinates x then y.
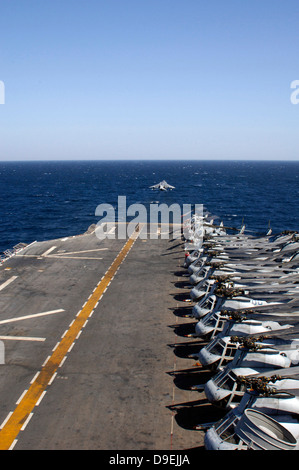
{"type": "Point", "coordinates": [125, 384]}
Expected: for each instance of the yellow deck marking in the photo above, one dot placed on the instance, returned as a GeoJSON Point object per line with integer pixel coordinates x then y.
{"type": "Point", "coordinates": [15, 422]}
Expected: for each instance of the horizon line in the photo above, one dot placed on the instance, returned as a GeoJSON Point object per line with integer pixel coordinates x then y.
{"type": "Point", "coordinates": [150, 160]}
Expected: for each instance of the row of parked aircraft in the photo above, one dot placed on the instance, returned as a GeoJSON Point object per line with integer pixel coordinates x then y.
{"type": "Point", "coordinates": [245, 294]}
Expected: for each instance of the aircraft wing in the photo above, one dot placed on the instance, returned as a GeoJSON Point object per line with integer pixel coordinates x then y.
{"type": "Point", "coordinates": [166, 185]}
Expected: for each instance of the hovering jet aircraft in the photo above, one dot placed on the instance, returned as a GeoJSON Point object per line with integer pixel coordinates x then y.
{"type": "Point", "coordinates": [163, 186]}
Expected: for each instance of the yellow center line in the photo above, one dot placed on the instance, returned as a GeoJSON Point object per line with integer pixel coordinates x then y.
{"type": "Point", "coordinates": [19, 416]}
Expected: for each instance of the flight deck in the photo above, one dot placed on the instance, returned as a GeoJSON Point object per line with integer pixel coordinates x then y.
{"type": "Point", "coordinates": [94, 346]}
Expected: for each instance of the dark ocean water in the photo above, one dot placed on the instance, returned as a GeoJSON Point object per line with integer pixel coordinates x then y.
{"type": "Point", "coordinates": [45, 200]}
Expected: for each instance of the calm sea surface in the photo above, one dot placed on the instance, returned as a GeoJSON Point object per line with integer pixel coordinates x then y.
{"type": "Point", "coordinates": [45, 200]}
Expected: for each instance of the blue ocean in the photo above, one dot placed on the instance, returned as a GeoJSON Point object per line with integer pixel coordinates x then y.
{"type": "Point", "coordinates": [47, 200]}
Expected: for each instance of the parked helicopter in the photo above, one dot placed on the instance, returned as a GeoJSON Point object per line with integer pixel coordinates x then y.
{"type": "Point", "coordinates": [267, 417]}
{"type": "Point", "coordinates": [213, 302]}
{"type": "Point", "coordinates": [226, 322]}
{"type": "Point", "coordinates": [224, 389]}
{"type": "Point", "coordinates": [222, 347]}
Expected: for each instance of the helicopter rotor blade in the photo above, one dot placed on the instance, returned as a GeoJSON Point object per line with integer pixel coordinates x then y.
{"type": "Point", "coordinates": [285, 373]}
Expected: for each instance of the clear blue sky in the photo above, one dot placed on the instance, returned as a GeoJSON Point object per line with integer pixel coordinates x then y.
{"type": "Point", "coordinates": [149, 79]}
